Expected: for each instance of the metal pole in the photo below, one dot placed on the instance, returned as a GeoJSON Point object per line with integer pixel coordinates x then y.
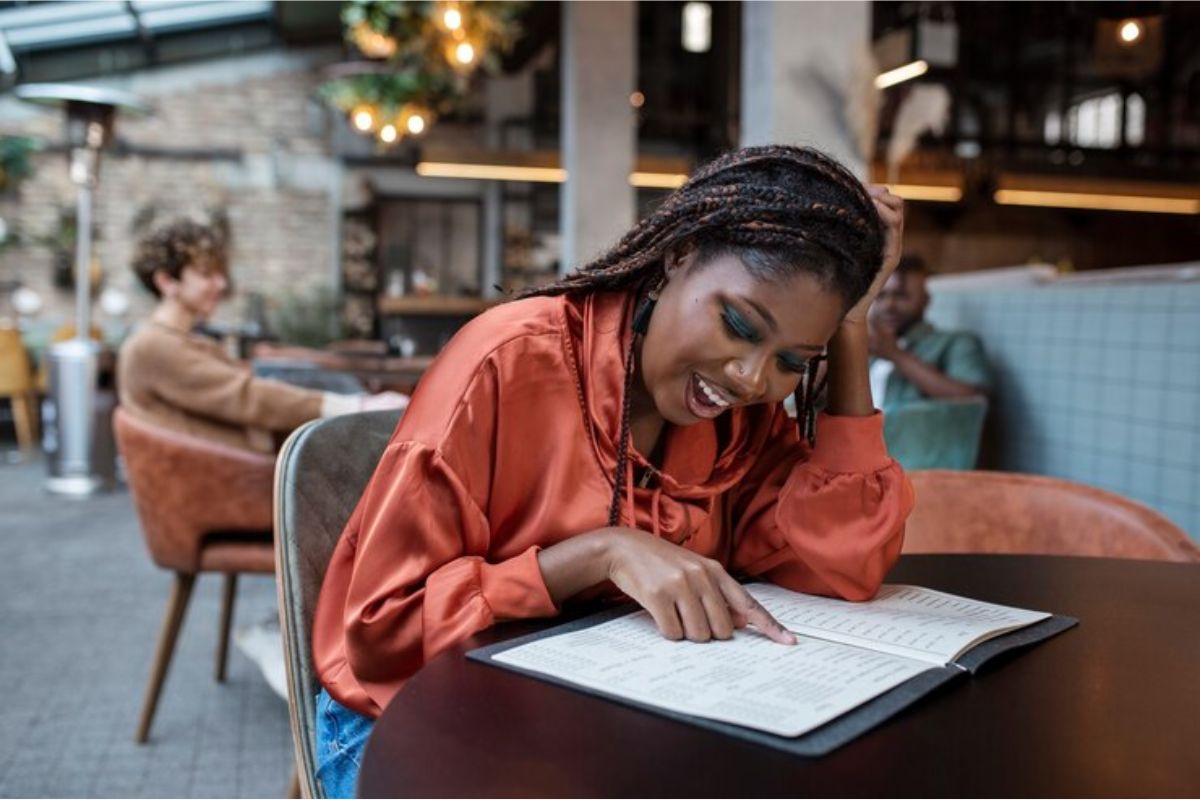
{"type": "Point", "coordinates": [76, 431]}
{"type": "Point", "coordinates": [83, 251]}
{"type": "Point", "coordinates": [74, 364]}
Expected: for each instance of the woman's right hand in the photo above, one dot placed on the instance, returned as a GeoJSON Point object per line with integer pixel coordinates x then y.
{"type": "Point", "coordinates": [688, 595]}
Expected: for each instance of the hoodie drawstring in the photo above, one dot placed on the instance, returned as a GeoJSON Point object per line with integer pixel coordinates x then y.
{"type": "Point", "coordinates": [631, 505]}
{"type": "Point", "coordinates": [630, 508]}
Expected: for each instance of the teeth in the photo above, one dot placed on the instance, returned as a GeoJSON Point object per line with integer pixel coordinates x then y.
{"type": "Point", "coordinates": [711, 394]}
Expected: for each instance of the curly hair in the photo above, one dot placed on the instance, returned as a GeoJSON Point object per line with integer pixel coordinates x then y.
{"type": "Point", "coordinates": [782, 210]}
{"type": "Point", "coordinates": [179, 244]}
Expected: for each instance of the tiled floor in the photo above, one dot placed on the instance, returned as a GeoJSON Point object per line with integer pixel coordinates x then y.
{"type": "Point", "coordinates": [80, 609]}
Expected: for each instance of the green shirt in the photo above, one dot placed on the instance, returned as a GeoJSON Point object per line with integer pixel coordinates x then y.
{"type": "Point", "coordinates": [957, 354]}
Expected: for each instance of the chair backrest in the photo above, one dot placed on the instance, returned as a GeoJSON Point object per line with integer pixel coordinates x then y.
{"type": "Point", "coordinates": [187, 489]}
{"type": "Point", "coordinates": [936, 434]}
{"type": "Point", "coordinates": [1007, 512]}
{"type": "Point", "coordinates": [16, 372]}
{"type": "Point", "coordinates": [321, 472]}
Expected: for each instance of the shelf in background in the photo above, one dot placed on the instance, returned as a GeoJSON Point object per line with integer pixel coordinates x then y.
{"type": "Point", "coordinates": [435, 305]}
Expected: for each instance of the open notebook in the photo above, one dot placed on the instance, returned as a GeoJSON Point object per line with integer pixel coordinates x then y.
{"type": "Point", "coordinates": [856, 663]}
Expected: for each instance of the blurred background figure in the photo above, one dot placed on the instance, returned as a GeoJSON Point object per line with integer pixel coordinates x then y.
{"type": "Point", "coordinates": [913, 360]}
{"type": "Point", "coordinates": [932, 384]}
{"type": "Point", "coordinates": [182, 380]}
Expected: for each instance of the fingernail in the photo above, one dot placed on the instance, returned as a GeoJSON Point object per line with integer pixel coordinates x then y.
{"type": "Point", "coordinates": [790, 638]}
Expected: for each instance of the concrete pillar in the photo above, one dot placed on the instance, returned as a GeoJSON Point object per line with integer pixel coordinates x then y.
{"type": "Point", "coordinates": [493, 239]}
{"type": "Point", "coordinates": [599, 138]}
{"type": "Point", "coordinates": [806, 77]}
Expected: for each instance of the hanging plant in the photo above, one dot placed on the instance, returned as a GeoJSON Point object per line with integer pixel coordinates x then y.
{"type": "Point", "coordinates": [420, 56]}
{"type": "Point", "coordinates": [15, 162]}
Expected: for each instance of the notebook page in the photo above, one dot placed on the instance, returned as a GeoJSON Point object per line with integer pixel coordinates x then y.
{"type": "Point", "coordinates": [909, 621]}
{"type": "Point", "coordinates": [748, 680]}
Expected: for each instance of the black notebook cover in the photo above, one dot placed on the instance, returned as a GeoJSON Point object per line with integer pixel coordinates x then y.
{"type": "Point", "coordinates": [832, 734]}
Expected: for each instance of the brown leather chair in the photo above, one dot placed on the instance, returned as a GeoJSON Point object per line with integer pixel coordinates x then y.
{"type": "Point", "coordinates": [203, 507]}
{"type": "Point", "coordinates": [322, 471]}
{"type": "Point", "coordinates": [1006, 512]}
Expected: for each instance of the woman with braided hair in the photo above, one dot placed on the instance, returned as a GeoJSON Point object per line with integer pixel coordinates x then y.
{"type": "Point", "coordinates": [621, 433]}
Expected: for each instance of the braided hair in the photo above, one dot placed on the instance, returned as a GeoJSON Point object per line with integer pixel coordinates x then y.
{"type": "Point", "coordinates": [781, 210]}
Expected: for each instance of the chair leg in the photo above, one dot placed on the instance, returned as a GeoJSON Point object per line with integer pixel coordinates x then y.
{"type": "Point", "coordinates": [22, 410]}
{"type": "Point", "coordinates": [181, 593]}
{"type": "Point", "coordinates": [293, 792]}
{"type": "Point", "coordinates": [35, 418]}
{"type": "Point", "coordinates": [227, 598]}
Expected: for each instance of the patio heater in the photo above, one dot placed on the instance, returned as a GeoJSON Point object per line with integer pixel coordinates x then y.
{"type": "Point", "coordinates": [71, 428]}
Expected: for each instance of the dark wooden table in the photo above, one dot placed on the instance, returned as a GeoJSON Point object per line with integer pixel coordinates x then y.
{"type": "Point", "coordinates": [371, 373]}
{"type": "Point", "coordinates": [1109, 708]}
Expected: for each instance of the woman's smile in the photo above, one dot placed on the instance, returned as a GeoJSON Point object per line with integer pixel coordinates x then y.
{"type": "Point", "coordinates": [705, 400]}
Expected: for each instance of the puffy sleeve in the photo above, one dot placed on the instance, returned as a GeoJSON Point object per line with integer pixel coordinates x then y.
{"type": "Point", "coordinates": [423, 562]}
{"type": "Point", "coordinates": [827, 520]}
{"type": "Point", "coordinates": [418, 581]}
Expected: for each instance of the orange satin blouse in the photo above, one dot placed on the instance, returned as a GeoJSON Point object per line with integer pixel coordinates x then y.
{"type": "Point", "coordinates": [509, 446]}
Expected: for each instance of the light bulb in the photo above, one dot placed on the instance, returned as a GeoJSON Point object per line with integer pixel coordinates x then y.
{"type": "Point", "coordinates": [388, 134]}
{"type": "Point", "coordinates": [465, 53]}
{"type": "Point", "coordinates": [1130, 31]}
{"type": "Point", "coordinates": [372, 43]}
{"type": "Point", "coordinates": [415, 124]}
{"type": "Point", "coordinates": [452, 19]}
{"type": "Point", "coordinates": [363, 119]}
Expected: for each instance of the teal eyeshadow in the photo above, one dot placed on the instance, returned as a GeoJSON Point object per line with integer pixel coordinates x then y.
{"type": "Point", "coordinates": [796, 365]}
{"type": "Point", "coordinates": [742, 328]}
{"type": "Point", "coordinates": [740, 325]}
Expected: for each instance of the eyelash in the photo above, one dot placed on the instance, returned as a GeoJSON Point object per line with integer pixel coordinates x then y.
{"type": "Point", "coordinates": [740, 330]}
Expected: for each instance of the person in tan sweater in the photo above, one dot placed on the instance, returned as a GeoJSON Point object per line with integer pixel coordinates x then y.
{"type": "Point", "coordinates": [186, 382]}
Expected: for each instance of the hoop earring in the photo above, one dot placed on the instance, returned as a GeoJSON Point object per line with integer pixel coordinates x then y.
{"type": "Point", "coordinates": [641, 317]}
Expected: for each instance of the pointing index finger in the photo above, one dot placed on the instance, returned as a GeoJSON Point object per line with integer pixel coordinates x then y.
{"type": "Point", "coordinates": [745, 606]}
{"type": "Point", "coordinates": [760, 618]}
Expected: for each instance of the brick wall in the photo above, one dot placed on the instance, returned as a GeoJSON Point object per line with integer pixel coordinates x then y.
{"type": "Point", "coordinates": [245, 134]}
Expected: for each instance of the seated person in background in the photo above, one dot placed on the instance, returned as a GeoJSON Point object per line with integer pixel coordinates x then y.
{"type": "Point", "coordinates": [186, 382]}
{"type": "Point", "coordinates": [910, 359]}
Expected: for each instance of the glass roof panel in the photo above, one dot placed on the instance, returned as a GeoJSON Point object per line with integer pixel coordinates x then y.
{"type": "Point", "coordinates": [52, 25]}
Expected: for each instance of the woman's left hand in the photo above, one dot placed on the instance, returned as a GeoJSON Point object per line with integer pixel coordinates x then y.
{"type": "Point", "coordinates": [891, 212]}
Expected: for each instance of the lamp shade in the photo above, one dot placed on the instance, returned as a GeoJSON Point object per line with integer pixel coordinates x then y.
{"type": "Point", "coordinates": [57, 95]}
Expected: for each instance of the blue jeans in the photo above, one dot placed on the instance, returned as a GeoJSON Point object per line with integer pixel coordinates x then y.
{"type": "Point", "coordinates": [341, 738]}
